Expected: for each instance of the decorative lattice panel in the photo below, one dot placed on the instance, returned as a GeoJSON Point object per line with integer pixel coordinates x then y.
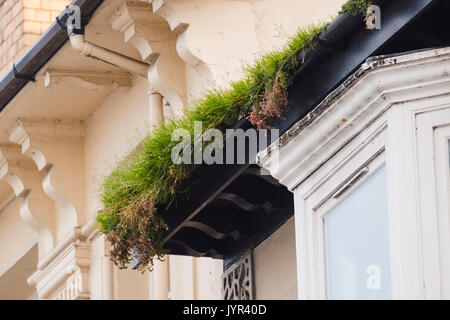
{"type": "Point", "coordinates": [237, 281]}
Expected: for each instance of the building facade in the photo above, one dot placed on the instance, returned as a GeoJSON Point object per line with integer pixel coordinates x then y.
{"type": "Point", "coordinates": [22, 22]}
{"type": "Point", "coordinates": [356, 202]}
{"type": "Point", "coordinates": [68, 129]}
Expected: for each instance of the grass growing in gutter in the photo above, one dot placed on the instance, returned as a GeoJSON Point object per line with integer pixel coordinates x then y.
{"type": "Point", "coordinates": [149, 178]}
{"type": "Point", "coordinates": [356, 7]}
{"type": "Point", "coordinates": [130, 194]}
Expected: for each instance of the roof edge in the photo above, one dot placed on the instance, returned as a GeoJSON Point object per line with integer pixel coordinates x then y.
{"type": "Point", "coordinates": [371, 64]}
{"type": "Point", "coordinates": [24, 70]}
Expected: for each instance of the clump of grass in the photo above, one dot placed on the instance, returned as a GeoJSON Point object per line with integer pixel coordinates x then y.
{"type": "Point", "coordinates": [275, 71]}
{"type": "Point", "coordinates": [355, 7]}
{"type": "Point", "coordinates": [150, 178]}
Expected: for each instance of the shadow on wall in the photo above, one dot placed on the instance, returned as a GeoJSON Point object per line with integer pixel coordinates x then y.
{"type": "Point", "coordinates": [13, 283]}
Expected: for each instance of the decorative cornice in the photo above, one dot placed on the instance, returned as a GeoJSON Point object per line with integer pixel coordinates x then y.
{"type": "Point", "coordinates": [369, 92]}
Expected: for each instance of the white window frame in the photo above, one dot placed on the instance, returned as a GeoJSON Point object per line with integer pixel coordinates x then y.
{"type": "Point", "coordinates": [432, 134]}
{"type": "Point", "coordinates": [400, 105]}
{"type": "Point", "coordinates": [418, 252]}
{"type": "Point", "coordinates": [315, 198]}
{"type": "Point", "coordinates": [410, 139]}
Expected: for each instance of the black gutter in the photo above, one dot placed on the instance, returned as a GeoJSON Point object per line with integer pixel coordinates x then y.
{"type": "Point", "coordinates": [342, 48]}
{"type": "Point", "coordinates": [24, 70]}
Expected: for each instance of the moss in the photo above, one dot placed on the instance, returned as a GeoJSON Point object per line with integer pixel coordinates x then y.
{"type": "Point", "coordinates": [355, 7]}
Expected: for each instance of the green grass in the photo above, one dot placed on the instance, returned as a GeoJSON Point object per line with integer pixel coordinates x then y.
{"type": "Point", "coordinates": [149, 177]}
{"type": "Point", "coordinates": [151, 170]}
{"type": "Point", "coordinates": [355, 7]}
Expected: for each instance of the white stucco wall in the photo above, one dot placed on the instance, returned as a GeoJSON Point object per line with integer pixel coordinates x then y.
{"type": "Point", "coordinates": [12, 227]}
{"type": "Point", "coordinates": [274, 265]}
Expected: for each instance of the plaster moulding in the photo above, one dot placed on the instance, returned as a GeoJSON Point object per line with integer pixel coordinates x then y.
{"type": "Point", "coordinates": [372, 90]}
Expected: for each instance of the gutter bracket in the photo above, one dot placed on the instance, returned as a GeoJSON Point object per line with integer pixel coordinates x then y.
{"type": "Point", "coordinates": [22, 76]}
{"type": "Point", "coordinates": [60, 23]}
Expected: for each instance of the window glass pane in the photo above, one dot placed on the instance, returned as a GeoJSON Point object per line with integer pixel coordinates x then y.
{"type": "Point", "coordinates": [357, 244]}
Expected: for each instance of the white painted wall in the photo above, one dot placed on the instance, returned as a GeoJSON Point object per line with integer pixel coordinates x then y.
{"type": "Point", "coordinates": [12, 227]}
{"type": "Point", "coordinates": [275, 268]}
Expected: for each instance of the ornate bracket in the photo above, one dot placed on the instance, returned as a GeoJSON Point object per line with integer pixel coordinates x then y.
{"type": "Point", "coordinates": [156, 43]}
{"type": "Point", "coordinates": [176, 16]}
{"type": "Point", "coordinates": [200, 43]}
{"type": "Point", "coordinates": [46, 146]}
{"type": "Point", "coordinates": [35, 208]}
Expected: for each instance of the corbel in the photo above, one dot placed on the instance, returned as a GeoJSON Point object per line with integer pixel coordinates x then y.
{"type": "Point", "coordinates": [157, 44]}
{"type": "Point", "coordinates": [56, 150]}
{"type": "Point", "coordinates": [89, 79]}
{"type": "Point", "coordinates": [36, 210]}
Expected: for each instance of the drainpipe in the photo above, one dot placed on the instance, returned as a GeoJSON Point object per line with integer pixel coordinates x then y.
{"type": "Point", "coordinates": [107, 277]}
{"type": "Point", "coordinates": [94, 51]}
{"type": "Point", "coordinates": [156, 108]}
{"type": "Point", "coordinates": [161, 279]}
